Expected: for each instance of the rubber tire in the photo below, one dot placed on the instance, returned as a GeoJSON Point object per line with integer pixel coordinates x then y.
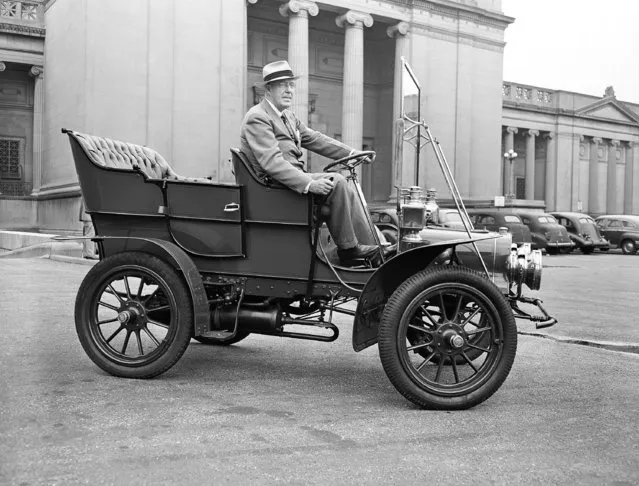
{"type": "Point", "coordinates": [400, 301]}
{"type": "Point", "coordinates": [587, 250]}
{"type": "Point", "coordinates": [222, 342]}
{"type": "Point", "coordinates": [628, 247]}
{"type": "Point", "coordinates": [174, 349]}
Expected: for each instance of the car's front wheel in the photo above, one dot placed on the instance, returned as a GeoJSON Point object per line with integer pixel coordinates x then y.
{"type": "Point", "coordinates": [133, 315]}
{"type": "Point", "coordinates": [628, 247]}
{"type": "Point", "coordinates": [447, 338]}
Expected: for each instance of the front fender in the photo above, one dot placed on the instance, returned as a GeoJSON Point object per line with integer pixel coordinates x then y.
{"type": "Point", "coordinates": [385, 280]}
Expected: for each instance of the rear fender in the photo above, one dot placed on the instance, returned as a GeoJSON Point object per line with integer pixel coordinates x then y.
{"type": "Point", "coordinates": [173, 255]}
{"type": "Point", "coordinates": [383, 283]}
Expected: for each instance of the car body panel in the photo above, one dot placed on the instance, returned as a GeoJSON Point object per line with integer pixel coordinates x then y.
{"type": "Point", "coordinates": [617, 228]}
{"type": "Point", "coordinates": [546, 232]}
{"type": "Point", "coordinates": [492, 220]}
{"type": "Point", "coordinates": [582, 230]}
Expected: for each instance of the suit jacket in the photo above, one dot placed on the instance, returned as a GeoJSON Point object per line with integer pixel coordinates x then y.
{"type": "Point", "coordinates": [275, 152]}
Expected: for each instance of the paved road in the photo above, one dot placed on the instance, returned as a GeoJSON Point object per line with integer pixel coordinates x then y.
{"type": "Point", "coordinates": [276, 411]}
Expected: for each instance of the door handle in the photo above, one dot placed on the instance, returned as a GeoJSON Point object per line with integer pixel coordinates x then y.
{"type": "Point", "coordinates": [231, 207]}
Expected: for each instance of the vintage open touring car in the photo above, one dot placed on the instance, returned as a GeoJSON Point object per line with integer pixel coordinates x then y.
{"type": "Point", "coordinates": [184, 258]}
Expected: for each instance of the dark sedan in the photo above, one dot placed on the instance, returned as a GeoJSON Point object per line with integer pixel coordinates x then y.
{"type": "Point", "coordinates": [492, 220]}
{"type": "Point", "coordinates": [622, 231]}
{"type": "Point", "coordinates": [546, 232]}
{"type": "Point", "coordinates": [583, 231]}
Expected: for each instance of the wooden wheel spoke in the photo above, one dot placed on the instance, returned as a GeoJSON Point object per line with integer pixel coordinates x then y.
{"type": "Point", "coordinates": [139, 340]}
{"type": "Point", "coordinates": [109, 306]}
{"type": "Point", "coordinates": [155, 309]}
{"type": "Point", "coordinates": [157, 323]}
{"type": "Point", "coordinates": [140, 288]}
{"type": "Point", "coordinates": [470, 363]}
{"type": "Point", "coordinates": [112, 291]}
{"type": "Point", "coordinates": [455, 373]}
{"type": "Point", "coordinates": [418, 346]}
{"type": "Point", "coordinates": [126, 286]}
{"type": "Point", "coordinates": [478, 347]}
{"type": "Point", "coordinates": [428, 315]}
{"type": "Point", "coordinates": [420, 328]}
{"type": "Point", "coordinates": [441, 305]}
{"type": "Point", "coordinates": [115, 319]}
{"type": "Point", "coordinates": [430, 356]}
{"type": "Point", "coordinates": [478, 331]}
{"type": "Point", "coordinates": [457, 307]}
{"type": "Point", "coordinates": [151, 336]}
{"type": "Point", "coordinates": [468, 319]}
{"type": "Point", "coordinates": [117, 331]}
{"type": "Point", "coordinates": [126, 342]}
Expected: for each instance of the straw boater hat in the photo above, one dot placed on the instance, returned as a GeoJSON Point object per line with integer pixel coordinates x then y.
{"type": "Point", "coordinates": [276, 71]}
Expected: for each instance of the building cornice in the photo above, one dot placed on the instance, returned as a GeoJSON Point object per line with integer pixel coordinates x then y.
{"type": "Point", "coordinates": [22, 29]}
{"type": "Point", "coordinates": [466, 11]}
{"type": "Point", "coordinates": [565, 112]}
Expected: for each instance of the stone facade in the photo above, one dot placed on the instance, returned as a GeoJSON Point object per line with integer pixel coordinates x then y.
{"type": "Point", "coordinates": [21, 107]}
{"type": "Point", "coordinates": [575, 152]}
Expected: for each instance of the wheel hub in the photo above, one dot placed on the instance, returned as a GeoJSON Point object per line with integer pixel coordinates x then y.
{"type": "Point", "coordinates": [450, 338]}
{"type": "Point", "coordinates": [132, 316]}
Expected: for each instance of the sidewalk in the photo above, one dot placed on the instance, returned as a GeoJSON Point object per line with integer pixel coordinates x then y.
{"type": "Point", "coordinates": [21, 244]}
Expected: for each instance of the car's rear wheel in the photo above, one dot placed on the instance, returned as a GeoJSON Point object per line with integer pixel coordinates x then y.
{"type": "Point", "coordinates": [443, 356]}
{"type": "Point", "coordinates": [133, 315]}
{"type": "Point", "coordinates": [628, 247]}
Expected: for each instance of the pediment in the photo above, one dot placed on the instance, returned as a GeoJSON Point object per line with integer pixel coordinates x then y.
{"type": "Point", "coordinates": [610, 109]}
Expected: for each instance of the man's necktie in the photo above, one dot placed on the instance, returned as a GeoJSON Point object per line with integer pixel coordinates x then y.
{"type": "Point", "coordinates": [288, 126]}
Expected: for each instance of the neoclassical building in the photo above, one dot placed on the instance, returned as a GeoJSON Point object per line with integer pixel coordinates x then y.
{"type": "Point", "coordinates": [22, 36]}
{"type": "Point", "coordinates": [178, 76]}
{"type": "Point", "coordinates": [575, 152]}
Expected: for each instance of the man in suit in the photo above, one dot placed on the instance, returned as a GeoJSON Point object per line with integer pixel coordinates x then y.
{"type": "Point", "coordinates": [272, 140]}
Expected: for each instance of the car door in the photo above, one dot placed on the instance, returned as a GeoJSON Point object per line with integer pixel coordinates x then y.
{"type": "Point", "coordinates": [612, 231]}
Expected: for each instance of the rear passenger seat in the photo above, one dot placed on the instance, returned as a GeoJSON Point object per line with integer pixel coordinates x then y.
{"type": "Point", "coordinates": [123, 155]}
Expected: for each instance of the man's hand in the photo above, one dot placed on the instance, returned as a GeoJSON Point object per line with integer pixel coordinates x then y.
{"type": "Point", "coordinates": [369, 159]}
{"type": "Point", "coordinates": [322, 186]}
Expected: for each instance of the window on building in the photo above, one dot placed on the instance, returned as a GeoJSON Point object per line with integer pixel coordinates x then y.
{"type": "Point", "coordinates": [520, 189]}
{"type": "Point", "coordinates": [11, 154]}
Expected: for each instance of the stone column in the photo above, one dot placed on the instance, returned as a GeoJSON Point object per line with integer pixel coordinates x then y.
{"type": "Point", "coordinates": [628, 191]}
{"type": "Point", "coordinates": [530, 164]}
{"type": "Point", "coordinates": [508, 172]}
{"type": "Point", "coordinates": [298, 12]}
{"type": "Point", "coordinates": [551, 173]}
{"type": "Point", "coordinates": [37, 72]}
{"type": "Point", "coordinates": [593, 175]}
{"type": "Point", "coordinates": [353, 91]}
{"type": "Point", "coordinates": [611, 176]}
{"type": "Point", "coordinates": [397, 32]}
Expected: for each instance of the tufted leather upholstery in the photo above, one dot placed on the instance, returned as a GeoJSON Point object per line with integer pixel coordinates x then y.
{"type": "Point", "coordinates": [123, 155]}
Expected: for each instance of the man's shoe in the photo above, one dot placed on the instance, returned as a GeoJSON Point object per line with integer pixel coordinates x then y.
{"type": "Point", "coordinates": [349, 256]}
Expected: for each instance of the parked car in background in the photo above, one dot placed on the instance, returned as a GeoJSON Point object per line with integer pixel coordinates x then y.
{"type": "Point", "coordinates": [622, 231]}
{"type": "Point", "coordinates": [583, 231]}
{"type": "Point", "coordinates": [546, 232]}
{"type": "Point", "coordinates": [450, 218]}
{"type": "Point", "coordinates": [492, 220]}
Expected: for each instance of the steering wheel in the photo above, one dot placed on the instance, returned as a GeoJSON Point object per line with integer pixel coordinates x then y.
{"type": "Point", "coordinates": [365, 157]}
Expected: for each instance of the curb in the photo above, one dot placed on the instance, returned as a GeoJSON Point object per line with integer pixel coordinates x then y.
{"type": "Point", "coordinates": [610, 346]}
{"type": "Point", "coordinates": [70, 259]}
